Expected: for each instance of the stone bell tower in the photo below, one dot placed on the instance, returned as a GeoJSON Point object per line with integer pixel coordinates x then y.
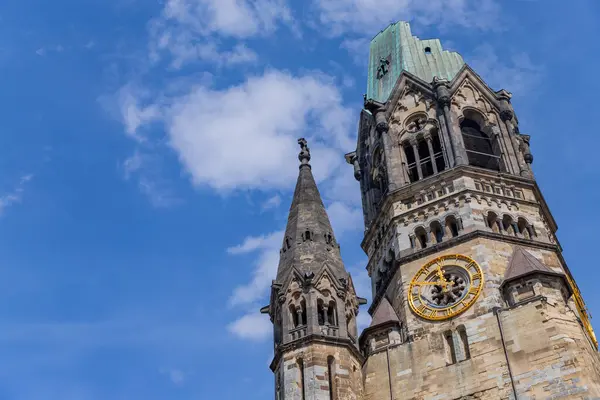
{"type": "Point", "coordinates": [313, 305]}
{"type": "Point", "coordinates": [472, 296]}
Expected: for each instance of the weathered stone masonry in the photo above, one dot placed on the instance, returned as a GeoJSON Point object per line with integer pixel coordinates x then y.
{"type": "Point", "coordinates": [444, 172]}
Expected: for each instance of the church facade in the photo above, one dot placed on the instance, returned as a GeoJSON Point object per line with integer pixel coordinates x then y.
{"type": "Point", "coordinates": [472, 298]}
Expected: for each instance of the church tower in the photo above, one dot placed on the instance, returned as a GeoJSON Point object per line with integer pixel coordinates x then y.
{"type": "Point", "coordinates": [472, 298]}
{"type": "Point", "coordinates": [313, 305]}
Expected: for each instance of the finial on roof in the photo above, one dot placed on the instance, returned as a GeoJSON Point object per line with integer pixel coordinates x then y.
{"type": "Point", "coordinates": [304, 155]}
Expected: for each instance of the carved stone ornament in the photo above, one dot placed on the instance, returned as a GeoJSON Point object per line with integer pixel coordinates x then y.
{"type": "Point", "coordinates": [304, 155]}
{"type": "Point", "coordinates": [442, 92]}
{"type": "Point", "coordinates": [506, 115]}
{"type": "Point", "coordinates": [382, 127]}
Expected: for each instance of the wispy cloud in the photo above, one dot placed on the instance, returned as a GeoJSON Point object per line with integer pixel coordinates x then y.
{"type": "Point", "coordinates": [42, 51]}
{"type": "Point", "coordinates": [272, 202]}
{"type": "Point", "coordinates": [252, 326]}
{"type": "Point", "coordinates": [175, 375]}
{"type": "Point", "coordinates": [145, 169]}
{"type": "Point", "coordinates": [517, 73]}
{"type": "Point", "coordinates": [265, 266]}
{"type": "Point", "coordinates": [190, 30]}
{"type": "Point", "coordinates": [16, 195]}
{"type": "Point", "coordinates": [370, 16]}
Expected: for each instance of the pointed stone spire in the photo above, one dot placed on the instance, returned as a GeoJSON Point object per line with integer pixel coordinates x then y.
{"type": "Point", "coordinates": [309, 242]}
{"type": "Point", "coordinates": [523, 263]}
{"type": "Point", "coordinates": [385, 323]}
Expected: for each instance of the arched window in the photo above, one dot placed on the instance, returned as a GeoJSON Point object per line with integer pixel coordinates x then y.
{"type": "Point", "coordinates": [481, 149]}
{"type": "Point", "coordinates": [463, 339]}
{"type": "Point", "coordinates": [492, 222]}
{"type": "Point", "coordinates": [328, 238]}
{"type": "Point", "coordinates": [294, 316]}
{"type": "Point", "coordinates": [421, 236]}
{"type": "Point", "coordinates": [438, 153]}
{"type": "Point", "coordinates": [525, 228]}
{"type": "Point", "coordinates": [332, 314]}
{"type": "Point", "coordinates": [411, 163]}
{"type": "Point", "coordinates": [452, 227]}
{"type": "Point", "coordinates": [287, 243]}
{"type": "Point", "coordinates": [508, 224]}
{"type": "Point", "coordinates": [303, 308]}
{"type": "Point", "coordinates": [321, 312]}
{"type": "Point", "coordinates": [437, 232]}
{"type": "Point", "coordinates": [351, 325]}
{"type": "Point", "coordinates": [456, 345]}
{"type": "Point", "coordinates": [277, 333]}
{"type": "Point", "coordinates": [425, 157]}
{"type": "Point", "coordinates": [449, 348]}
{"type": "Point", "coordinates": [379, 173]}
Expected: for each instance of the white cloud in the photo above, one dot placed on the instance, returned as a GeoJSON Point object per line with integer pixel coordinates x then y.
{"type": "Point", "coordinates": [345, 218]}
{"type": "Point", "coordinates": [517, 73]}
{"type": "Point", "coordinates": [133, 115]}
{"type": "Point", "coordinates": [237, 18]}
{"type": "Point", "coordinates": [358, 49]}
{"type": "Point", "coordinates": [272, 202]}
{"type": "Point", "coordinates": [253, 243]}
{"type": "Point", "coordinates": [145, 170]}
{"type": "Point", "coordinates": [176, 376]}
{"type": "Point", "coordinates": [369, 16]}
{"type": "Point", "coordinates": [252, 326]}
{"type": "Point", "coordinates": [265, 266]}
{"type": "Point", "coordinates": [183, 50]}
{"type": "Point", "coordinates": [42, 51]}
{"type": "Point", "coordinates": [245, 136]}
{"type": "Point", "coordinates": [190, 30]}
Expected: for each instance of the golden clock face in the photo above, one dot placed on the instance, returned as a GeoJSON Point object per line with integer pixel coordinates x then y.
{"type": "Point", "coordinates": [445, 287]}
{"type": "Point", "coordinates": [582, 309]}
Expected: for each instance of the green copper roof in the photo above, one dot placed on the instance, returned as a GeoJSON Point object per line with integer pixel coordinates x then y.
{"type": "Point", "coordinates": [405, 52]}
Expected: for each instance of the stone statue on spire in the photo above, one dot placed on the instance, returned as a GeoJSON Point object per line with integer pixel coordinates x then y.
{"type": "Point", "coordinates": [304, 155]}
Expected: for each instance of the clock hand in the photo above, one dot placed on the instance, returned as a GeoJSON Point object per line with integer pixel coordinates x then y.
{"type": "Point", "coordinates": [440, 274]}
{"type": "Point", "coordinates": [430, 283]}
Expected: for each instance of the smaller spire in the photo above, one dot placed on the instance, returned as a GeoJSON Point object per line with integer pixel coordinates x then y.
{"type": "Point", "coordinates": [383, 314]}
{"type": "Point", "coordinates": [523, 263]}
{"type": "Point", "coordinates": [304, 155]}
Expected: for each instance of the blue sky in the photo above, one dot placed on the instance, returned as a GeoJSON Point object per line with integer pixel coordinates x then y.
{"type": "Point", "coordinates": [148, 155]}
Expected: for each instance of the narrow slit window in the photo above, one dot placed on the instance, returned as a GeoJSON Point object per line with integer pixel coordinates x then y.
{"type": "Point", "coordinates": [464, 342]}
{"type": "Point", "coordinates": [411, 164]}
{"type": "Point", "coordinates": [449, 347]}
{"type": "Point", "coordinates": [301, 380]}
{"type": "Point", "coordinates": [303, 308]}
{"type": "Point", "coordinates": [438, 153]}
{"type": "Point", "coordinates": [331, 377]}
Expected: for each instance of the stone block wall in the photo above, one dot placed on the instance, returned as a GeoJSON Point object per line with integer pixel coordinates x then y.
{"type": "Point", "coordinates": [346, 373]}
{"type": "Point", "coordinates": [548, 351]}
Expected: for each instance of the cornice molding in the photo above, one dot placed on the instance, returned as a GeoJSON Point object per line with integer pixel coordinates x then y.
{"type": "Point", "coordinates": [315, 339]}
{"type": "Point", "coordinates": [445, 176]}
